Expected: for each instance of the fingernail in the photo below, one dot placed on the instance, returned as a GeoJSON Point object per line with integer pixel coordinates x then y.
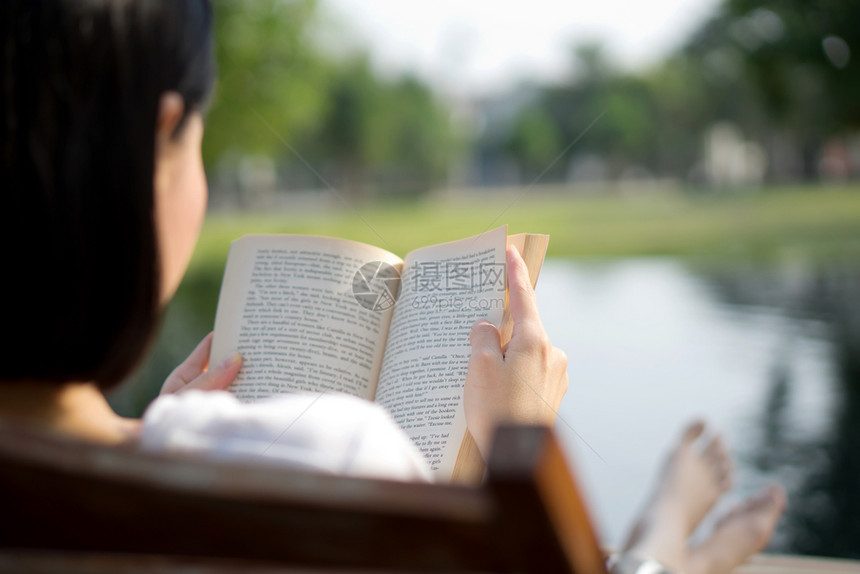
{"type": "Point", "coordinates": [232, 360]}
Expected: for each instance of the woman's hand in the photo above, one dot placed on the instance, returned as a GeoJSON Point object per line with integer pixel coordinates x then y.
{"type": "Point", "coordinates": [194, 372]}
{"type": "Point", "coordinates": [522, 383]}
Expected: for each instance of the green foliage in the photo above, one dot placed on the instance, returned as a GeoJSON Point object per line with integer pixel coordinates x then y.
{"type": "Point", "coordinates": [682, 108]}
{"type": "Point", "coordinates": [798, 51]}
{"type": "Point", "coordinates": [761, 64]}
{"type": "Point", "coordinates": [273, 77]}
{"type": "Point", "coordinates": [377, 129]}
{"type": "Point", "coordinates": [268, 67]}
{"type": "Point", "coordinates": [619, 108]}
{"type": "Point", "coordinates": [535, 140]}
{"type": "Point", "coordinates": [780, 70]}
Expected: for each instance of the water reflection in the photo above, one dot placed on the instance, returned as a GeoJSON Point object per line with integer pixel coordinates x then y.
{"type": "Point", "coordinates": [824, 515]}
{"type": "Point", "coordinates": [767, 353]}
{"type": "Point", "coordinates": [770, 354]}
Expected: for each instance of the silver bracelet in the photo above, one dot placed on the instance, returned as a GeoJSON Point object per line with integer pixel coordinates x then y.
{"type": "Point", "coordinates": [626, 564]}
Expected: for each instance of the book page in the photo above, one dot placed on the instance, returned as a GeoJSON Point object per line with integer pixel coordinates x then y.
{"type": "Point", "coordinates": [288, 305]}
{"type": "Point", "coordinates": [445, 289]}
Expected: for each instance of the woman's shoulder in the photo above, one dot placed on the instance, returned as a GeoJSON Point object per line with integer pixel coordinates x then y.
{"type": "Point", "coordinates": [328, 432]}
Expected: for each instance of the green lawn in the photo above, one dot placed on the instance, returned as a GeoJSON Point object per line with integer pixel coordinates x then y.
{"type": "Point", "coordinates": [821, 220]}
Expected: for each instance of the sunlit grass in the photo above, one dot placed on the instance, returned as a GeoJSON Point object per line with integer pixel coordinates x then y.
{"type": "Point", "coordinates": [820, 220]}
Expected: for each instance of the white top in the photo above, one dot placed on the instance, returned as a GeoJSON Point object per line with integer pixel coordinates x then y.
{"type": "Point", "coordinates": [326, 432]}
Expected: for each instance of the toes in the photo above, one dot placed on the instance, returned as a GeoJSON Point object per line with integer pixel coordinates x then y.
{"type": "Point", "coordinates": [759, 501]}
{"type": "Point", "coordinates": [772, 498]}
{"type": "Point", "coordinates": [693, 431]}
{"type": "Point", "coordinates": [717, 453]}
{"type": "Point", "coordinates": [726, 479]}
{"type": "Point", "coordinates": [744, 531]}
{"type": "Point", "coordinates": [779, 495]}
{"type": "Point", "coordinates": [717, 456]}
{"type": "Point", "coordinates": [725, 473]}
{"type": "Point", "coordinates": [763, 520]}
{"type": "Point", "coordinates": [757, 514]}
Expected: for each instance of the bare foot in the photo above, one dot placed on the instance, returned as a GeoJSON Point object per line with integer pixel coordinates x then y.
{"type": "Point", "coordinates": [742, 532]}
{"type": "Point", "coordinates": [692, 480]}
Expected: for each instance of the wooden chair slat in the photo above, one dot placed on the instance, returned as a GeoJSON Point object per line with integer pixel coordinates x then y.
{"type": "Point", "coordinates": [73, 507]}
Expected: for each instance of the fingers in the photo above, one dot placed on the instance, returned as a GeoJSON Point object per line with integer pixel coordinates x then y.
{"type": "Point", "coordinates": [521, 294]}
{"type": "Point", "coordinates": [196, 362]}
{"type": "Point", "coordinates": [193, 373]}
{"type": "Point", "coordinates": [486, 342]}
{"type": "Point", "coordinates": [524, 382]}
{"type": "Point", "coordinates": [218, 378]}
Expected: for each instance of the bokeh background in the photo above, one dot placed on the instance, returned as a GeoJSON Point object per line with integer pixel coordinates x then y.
{"type": "Point", "coordinates": [696, 163]}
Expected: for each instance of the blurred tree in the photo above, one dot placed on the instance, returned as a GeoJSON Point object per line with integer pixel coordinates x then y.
{"type": "Point", "coordinates": [617, 110]}
{"type": "Point", "coordinates": [782, 71]}
{"type": "Point", "coordinates": [346, 130]}
{"type": "Point", "coordinates": [535, 141]}
{"type": "Point", "coordinates": [394, 135]}
{"type": "Point", "coordinates": [268, 66]}
{"type": "Point", "coordinates": [682, 109]}
{"type": "Point", "coordinates": [419, 140]}
{"type": "Point", "coordinates": [787, 43]}
{"type": "Point", "coordinates": [359, 129]}
{"type": "Point", "coordinates": [791, 67]}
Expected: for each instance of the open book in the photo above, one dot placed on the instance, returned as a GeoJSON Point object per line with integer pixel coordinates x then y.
{"type": "Point", "coordinates": [319, 314]}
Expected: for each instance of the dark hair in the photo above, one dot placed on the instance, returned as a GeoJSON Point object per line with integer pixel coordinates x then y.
{"type": "Point", "coordinates": [81, 83]}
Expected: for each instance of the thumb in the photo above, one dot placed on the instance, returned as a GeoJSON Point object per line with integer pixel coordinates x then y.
{"type": "Point", "coordinates": [486, 340]}
{"type": "Point", "coordinates": [219, 377]}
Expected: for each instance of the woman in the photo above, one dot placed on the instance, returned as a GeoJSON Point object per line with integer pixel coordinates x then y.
{"type": "Point", "coordinates": [105, 194]}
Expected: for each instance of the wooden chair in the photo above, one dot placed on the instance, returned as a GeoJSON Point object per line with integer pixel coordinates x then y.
{"type": "Point", "coordinates": [71, 507]}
